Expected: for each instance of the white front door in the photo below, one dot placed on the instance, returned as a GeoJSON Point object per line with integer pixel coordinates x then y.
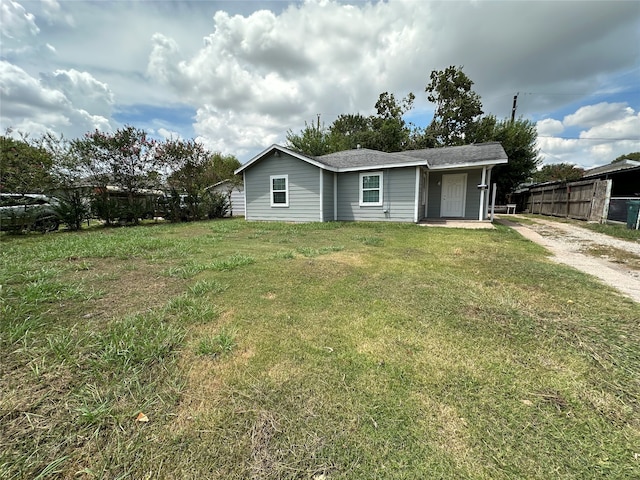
{"type": "Point", "coordinates": [454, 189]}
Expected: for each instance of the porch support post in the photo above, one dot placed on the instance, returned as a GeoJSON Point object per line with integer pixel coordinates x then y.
{"type": "Point", "coordinates": [482, 182]}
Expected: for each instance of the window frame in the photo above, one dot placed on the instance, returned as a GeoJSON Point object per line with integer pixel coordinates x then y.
{"type": "Point", "coordinates": [361, 189]}
{"type": "Point", "coordinates": [285, 190]}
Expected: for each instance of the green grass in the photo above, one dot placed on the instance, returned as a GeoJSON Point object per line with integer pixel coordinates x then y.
{"type": "Point", "coordinates": [273, 350]}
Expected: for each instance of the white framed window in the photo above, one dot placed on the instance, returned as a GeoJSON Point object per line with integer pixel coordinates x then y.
{"type": "Point", "coordinates": [371, 189]}
{"type": "Point", "coordinates": [279, 190]}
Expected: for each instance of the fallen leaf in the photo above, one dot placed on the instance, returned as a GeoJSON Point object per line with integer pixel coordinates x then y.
{"type": "Point", "coordinates": [142, 418]}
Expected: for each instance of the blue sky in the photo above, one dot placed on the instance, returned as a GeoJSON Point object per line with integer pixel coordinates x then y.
{"type": "Point", "coordinates": [238, 75]}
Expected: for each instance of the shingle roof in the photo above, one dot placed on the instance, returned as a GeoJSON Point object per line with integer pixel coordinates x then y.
{"type": "Point", "coordinates": [443, 157]}
{"type": "Point", "coordinates": [364, 159]}
{"type": "Point", "coordinates": [461, 155]}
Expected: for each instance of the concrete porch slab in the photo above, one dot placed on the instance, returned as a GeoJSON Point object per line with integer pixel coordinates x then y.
{"type": "Point", "coordinates": [449, 223]}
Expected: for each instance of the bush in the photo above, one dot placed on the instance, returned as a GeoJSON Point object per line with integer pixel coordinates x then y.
{"type": "Point", "coordinates": [217, 205]}
{"type": "Point", "coordinates": [72, 208]}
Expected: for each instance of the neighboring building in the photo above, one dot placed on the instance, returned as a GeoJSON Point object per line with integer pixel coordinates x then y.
{"type": "Point", "coordinates": [625, 185]}
{"type": "Point", "coordinates": [235, 194]}
{"type": "Point", "coordinates": [362, 184]}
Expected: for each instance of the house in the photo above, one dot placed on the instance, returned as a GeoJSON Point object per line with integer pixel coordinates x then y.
{"type": "Point", "coordinates": [363, 184]}
{"type": "Point", "coordinates": [235, 195]}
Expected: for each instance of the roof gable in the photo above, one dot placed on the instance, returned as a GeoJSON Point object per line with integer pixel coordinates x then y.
{"type": "Point", "coordinates": [277, 148]}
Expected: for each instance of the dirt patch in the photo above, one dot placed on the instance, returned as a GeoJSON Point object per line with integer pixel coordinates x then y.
{"type": "Point", "coordinates": [571, 245]}
{"type": "Point", "coordinates": [124, 284]}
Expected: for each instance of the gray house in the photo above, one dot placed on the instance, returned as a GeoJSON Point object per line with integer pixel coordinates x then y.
{"type": "Point", "coordinates": [362, 184]}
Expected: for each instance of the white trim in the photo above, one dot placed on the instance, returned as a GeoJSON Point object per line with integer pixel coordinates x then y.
{"type": "Point", "coordinates": [380, 189]}
{"type": "Point", "coordinates": [321, 195]}
{"type": "Point", "coordinates": [417, 196]}
{"type": "Point", "coordinates": [244, 194]}
{"type": "Point", "coordinates": [286, 190]}
{"type": "Point", "coordinates": [278, 148]}
{"type": "Point", "coordinates": [335, 196]}
{"type": "Point", "coordinates": [464, 193]}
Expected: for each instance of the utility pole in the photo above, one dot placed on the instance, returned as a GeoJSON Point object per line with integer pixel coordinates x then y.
{"type": "Point", "coordinates": [515, 106]}
{"type": "Point", "coordinates": [318, 122]}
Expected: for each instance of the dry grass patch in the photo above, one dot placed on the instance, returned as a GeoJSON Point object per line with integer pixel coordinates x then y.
{"type": "Point", "coordinates": [616, 255]}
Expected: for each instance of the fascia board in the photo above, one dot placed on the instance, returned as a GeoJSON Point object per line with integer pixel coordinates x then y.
{"type": "Point", "coordinates": [268, 150]}
{"type": "Point", "coordinates": [457, 166]}
{"type": "Point", "coordinates": [420, 163]}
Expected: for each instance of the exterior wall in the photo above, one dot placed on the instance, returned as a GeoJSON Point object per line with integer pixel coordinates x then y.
{"type": "Point", "coordinates": [327, 196]}
{"type": "Point", "coordinates": [398, 198]}
{"type": "Point", "coordinates": [303, 184]}
{"type": "Point", "coordinates": [472, 201]}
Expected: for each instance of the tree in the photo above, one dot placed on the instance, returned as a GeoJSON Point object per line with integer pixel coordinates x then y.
{"type": "Point", "coordinates": [194, 170]}
{"type": "Point", "coordinates": [69, 181]}
{"type": "Point", "coordinates": [25, 166]}
{"type": "Point", "coordinates": [387, 131]}
{"type": "Point", "coordinates": [518, 138]}
{"type": "Point", "coordinates": [125, 159]}
{"type": "Point", "coordinates": [457, 106]}
{"type": "Point", "coordinates": [312, 140]}
{"type": "Point", "coordinates": [558, 172]}
{"type": "Point", "coordinates": [390, 132]}
{"type": "Point", "coordinates": [629, 156]}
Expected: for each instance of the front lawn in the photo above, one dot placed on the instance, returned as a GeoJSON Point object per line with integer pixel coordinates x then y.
{"type": "Point", "coordinates": [318, 351]}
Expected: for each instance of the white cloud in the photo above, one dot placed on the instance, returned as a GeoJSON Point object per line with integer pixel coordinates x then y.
{"type": "Point", "coordinates": [610, 130]}
{"type": "Point", "coordinates": [549, 126]}
{"type": "Point", "coordinates": [82, 90]}
{"type": "Point", "coordinates": [17, 23]}
{"type": "Point", "coordinates": [592, 115]}
{"type": "Point", "coordinates": [30, 106]}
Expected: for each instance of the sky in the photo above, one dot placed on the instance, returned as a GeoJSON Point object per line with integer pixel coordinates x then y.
{"type": "Point", "coordinates": [237, 75]}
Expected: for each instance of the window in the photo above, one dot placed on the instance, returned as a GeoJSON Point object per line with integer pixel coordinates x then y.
{"type": "Point", "coordinates": [371, 189]}
{"type": "Point", "coordinates": [279, 190]}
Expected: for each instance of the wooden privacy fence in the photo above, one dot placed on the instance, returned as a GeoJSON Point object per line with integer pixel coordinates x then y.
{"type": "Point", "coordinates": [583, 200]}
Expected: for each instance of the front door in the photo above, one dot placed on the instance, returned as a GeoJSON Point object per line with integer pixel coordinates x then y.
{"type": "Point", "coordinates": [454, 188]}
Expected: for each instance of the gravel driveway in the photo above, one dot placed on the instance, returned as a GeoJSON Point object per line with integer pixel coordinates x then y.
{"type": "Point", "coordinates": [568, 242]}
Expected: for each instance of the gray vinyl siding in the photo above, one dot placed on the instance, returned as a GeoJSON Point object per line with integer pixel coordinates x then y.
{"type": "Point", "coordinates": [472, 201]}
{"type": "Point", "coordinates": [304, 190]}
{"type": "Point", "coordinates": [399, 197]}
{"type": "Point", "coordinates": [327, 196]}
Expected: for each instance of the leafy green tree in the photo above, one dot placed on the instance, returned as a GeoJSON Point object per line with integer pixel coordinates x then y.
{"type": "Point", "coordinates": [313, 140]}
{"type": "Point", "coordinates": [25, 166]}
{"type": "Point", "coordinates": [348, 131]}
{"type": "Point", "coordinates": [69, 181]}
{"type": "Point", "coordinates": [629, 156]}
{"type": "Point", "coordinates": [125, 159]}
{"type": "Point", "coordinates": [457, 106]}
{"type": "Point", "coordinates": [519, 140]}
{"type": "Point", "coordinates": [390, 133]}
{"type": "Point", "coordinates": [387, 131]}
{"type": "Point", "coordinates": [194, 170]}
{"type": "Point", "coordinates": [558, 172]}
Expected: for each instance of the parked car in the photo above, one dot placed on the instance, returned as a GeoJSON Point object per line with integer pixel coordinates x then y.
{"type": "Point", "coordinates": [20, 212]}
